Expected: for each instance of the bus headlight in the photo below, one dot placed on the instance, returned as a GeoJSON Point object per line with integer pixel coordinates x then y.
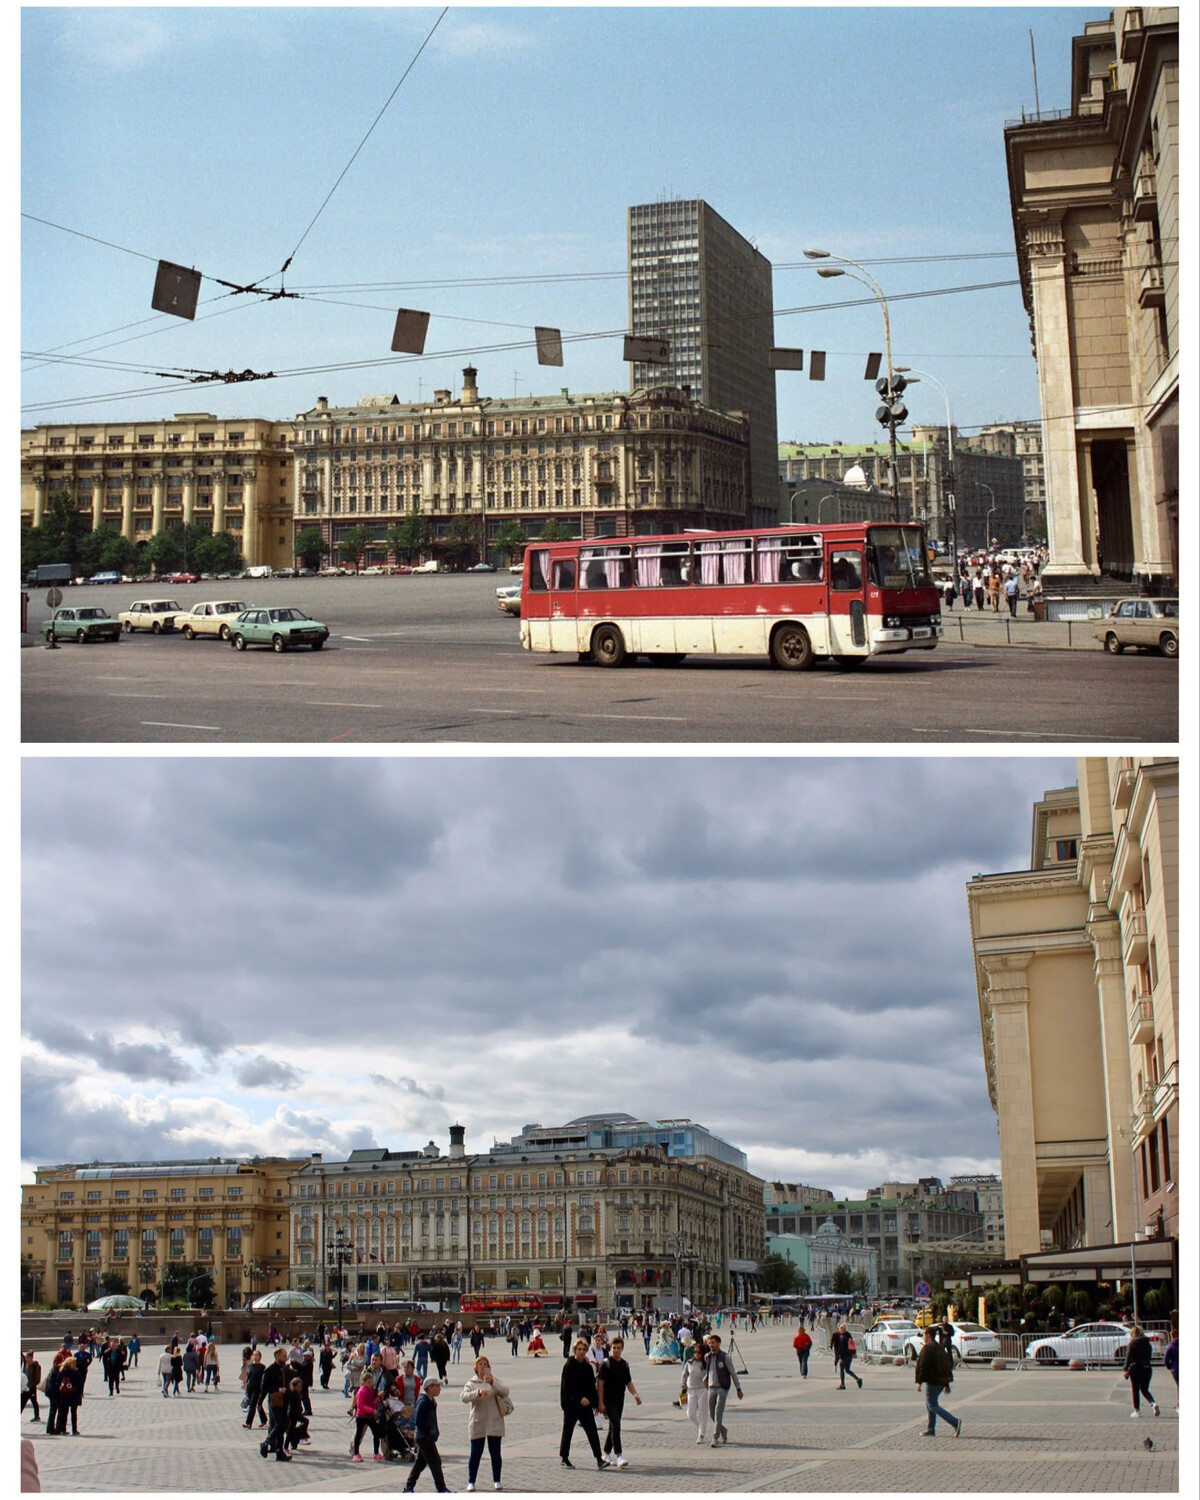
{"type": "Point", "coordinates": [891, 622]}
{"type": "Point", "coordinates": [935, 619]}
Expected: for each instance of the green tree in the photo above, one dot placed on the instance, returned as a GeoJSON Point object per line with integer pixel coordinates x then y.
{"type": "Point", "coordinates": [119, 555]}
{"type": "Point", "coordinates": [62, 529]}
{"type": "Point", "coordinates": [352, 544]}
{"type": "Point", "coordinates": [164, 550]}
{"type": "Point", "coordinates": [113, 1284]}
{"type": "Point", "coordinates": [410, 538]}
{"type": "Point", "coordinates": [177, 1277]}
{"type": "Point", "coordinates": [33, 546]}
{"type": "Point", "coordinates": [778, 1276]}
{"type": "Point", "coordinates": [509, 542]}
{"type": "Point", "coordinates": [459, 540]}
{"type": "Point", "coordinates": [552, 531]}
{"type": "Point", "coordinates": [90, 554]}
{"type": "Point", "coordinates": [862, 1282]}
{"type": "Point", "coordinates": [311, 547]}
{"type": "Point", "coordinates": [843, 1279]}
{"type": "Point", "coordinates": [218, 553]}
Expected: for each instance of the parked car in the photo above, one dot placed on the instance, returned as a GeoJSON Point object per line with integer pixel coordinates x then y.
{"type": "Point", "coordinates": [1100, 1343]}
{"type": "Point", "coordinates": [285, 573]}
{"type": "Point", "coordinates": [432, 566]}
{"type": "Point", "coordinates": [182, 577]}
{"type": "Point", "coordinates": [971, 1341]}
{"type": "Point", "coordinates": [482, 567]}
{"type": "Point", "coordinates": [374, 571]}
{"type": "Point", "coordinates": [889, 1335]}
{"type": "Point", "coordinates": [105, 578]}
{"type": "Point", "coordinates": [90, 623]}
{"type": "Point", "coordinates": [210, 618]}
{"type": "Point", "coordinates": [277, 628]}
{"type": "Point", "coordinates": [154, 615]}
{"type": "Point", "coordinates": [1148, 624]}
{"type": "Point", "coordinates": [508, 598]}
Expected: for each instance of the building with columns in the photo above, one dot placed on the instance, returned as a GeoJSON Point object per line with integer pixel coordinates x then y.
{"type": "Point", "coordinates": [606, 1211]}
{"type": "Point", "coordinates": [615, 464]}
{"type": "Point", "coordinates": [139, 477]}
{"type": "Point", "coordinates": [135, 1218]}
{"type": "Point", "coordinates": [1095, 205]}
{"type": "Point", "coordinates": [1077, 976]}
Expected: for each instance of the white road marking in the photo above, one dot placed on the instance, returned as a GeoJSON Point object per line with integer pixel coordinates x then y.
{"type": "Point", "coordinates": [165, 724]}
{"type": "Point", "coordinates": [318, 703]}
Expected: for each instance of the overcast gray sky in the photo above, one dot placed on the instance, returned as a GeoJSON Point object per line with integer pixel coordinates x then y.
{"type": "Point", "coordinates": [226, 956]}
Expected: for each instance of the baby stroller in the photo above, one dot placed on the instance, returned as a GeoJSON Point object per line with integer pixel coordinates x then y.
{"type": "Point", "coordinates": [397, 1439]}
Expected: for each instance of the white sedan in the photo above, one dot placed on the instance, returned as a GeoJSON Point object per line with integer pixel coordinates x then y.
{"type": "Point", "coordinates": [210, 618]}
{"type": "Point", "coordinates": [971, 1341]}
{"type": "Point", "coordinates": [889, 1335]}
{"type": "Point", "coordinates": [1097, 1343]}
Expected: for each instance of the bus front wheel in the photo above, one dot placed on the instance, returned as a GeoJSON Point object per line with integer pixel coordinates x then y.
{"type": "Point", "coordinates": [792, 649]}
{"type": "Point", "coordinates": [608, 649]}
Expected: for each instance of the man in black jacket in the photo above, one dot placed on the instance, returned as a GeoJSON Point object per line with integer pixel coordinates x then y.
{"type": "Point", "coordinates": [274, 1390]}
{"type": "Point", "coordinates": [935, 1371]}
{"type": "Point", "coordinates": [425, 1426]}
{"type": "Point", "coordinates": [578, 1398]}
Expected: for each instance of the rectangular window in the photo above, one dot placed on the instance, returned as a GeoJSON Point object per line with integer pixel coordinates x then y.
{"type": "Point", "coordinates": [1066, 850]}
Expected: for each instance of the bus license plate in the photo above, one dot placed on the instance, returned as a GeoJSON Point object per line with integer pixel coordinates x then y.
{"type": "Point", "coordinates": [921, 633]}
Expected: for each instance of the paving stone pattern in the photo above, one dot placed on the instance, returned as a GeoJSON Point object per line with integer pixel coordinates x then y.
{"type": "Point", "coordinates": [1024, 1431]}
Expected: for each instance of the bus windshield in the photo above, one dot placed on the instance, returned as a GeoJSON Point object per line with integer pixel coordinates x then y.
{"type": "Point", "coordinates": [898, 558]}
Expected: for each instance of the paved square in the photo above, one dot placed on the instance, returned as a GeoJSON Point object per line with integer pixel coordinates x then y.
{"type": "Point", "coordinates": [1024, 1430]}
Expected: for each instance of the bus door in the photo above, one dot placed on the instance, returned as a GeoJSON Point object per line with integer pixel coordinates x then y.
{"type": "Point", "coordinates": [564, 627]}
{"type": "Point", "coordinates": [847, 599]}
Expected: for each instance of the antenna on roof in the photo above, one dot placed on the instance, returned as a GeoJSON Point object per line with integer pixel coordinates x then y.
{"type": "Point", "coordinates": [1037, 108]}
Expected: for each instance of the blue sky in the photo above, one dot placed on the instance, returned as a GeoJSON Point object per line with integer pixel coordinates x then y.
{"type": "Point", "coordinates": [210, 136]}
{"type": "Point", "coordinates": [335, 953]}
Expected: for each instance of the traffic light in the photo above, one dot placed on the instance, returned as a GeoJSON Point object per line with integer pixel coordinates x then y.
{"type": "Point", "coordinates": [893, 411]}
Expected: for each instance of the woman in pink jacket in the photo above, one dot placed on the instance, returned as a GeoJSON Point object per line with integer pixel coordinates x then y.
{"type": "Point", "coordinates": [366, 1407]}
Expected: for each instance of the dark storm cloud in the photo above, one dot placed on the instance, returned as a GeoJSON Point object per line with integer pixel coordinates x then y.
{"type": "Point", "coordinates": [135, 1060]}
{"type": "Point", "coordinates": [425, 927]}
{"type": "Point", "coordinates": [258, 1072]}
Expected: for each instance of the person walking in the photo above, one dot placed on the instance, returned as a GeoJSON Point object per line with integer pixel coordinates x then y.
{"type": "Point", "coordinates": [275, 1390]}
{"type": "Point", "coordinates": [613, 1379]}
{"type": "Point", "coordinates": [485, 1398]}
{"type": "Point", "coordinates": [112, 1363]}
{"type": "Point", "coordinates": [980, 588]}
{"type": "Point", "coordinates": [191, 1364]}
{"type": "Point", "coordinates": [1170, 1360]}
{"type": "Point", "coordinates": [212, 1367]}
{"type": "Point", "coordinates": [935, 1371]}
{"type": "Point", "coordinates": [33, 1378]}
{"type": "Point", "coordinates": [255, 1371]}
{"type": "Point", "coordinates": [719, 1375]}
{"type": "Point", "coordinates": [477, 1339]}
{"type": "Point", "coordinates": [421, 1355]}
{"type": "Point", "coordinates": [456, 1343]}
{"type": "Point", "coordinates": [366, 1418]}
{"type": "Point", "coordinates": [70, 1394]}
{"type": "Point", "coordinates": [425, 1424]}
{"type": "Point", "coordinates": [51, 1391]}
{"type": "Point", "coordinates": [802, 1344]}
{"type": "Point", "coordinates": [1138, 1355]}
{"type": "Point", "coordinates": [135, 1348]}
{"type": "Point", "coordinates": [568, 1338]}
{"type": "Point", "coordinates": [844, 1350]}
{"type": "Point", "coordinates": [693, 1394]}
{"type": "Point", "coordinates": [440, 1351]}
{"type": "Point", "coordinates": [1012, 593]}
{"type": "Point", "coordinates": [578, 1397]}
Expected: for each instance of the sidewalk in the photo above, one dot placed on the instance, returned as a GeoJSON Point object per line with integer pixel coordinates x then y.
{"type": "Point", "coordinates": [1033, 1430]}
{"type": "Point", "coordinates": [970, 627]}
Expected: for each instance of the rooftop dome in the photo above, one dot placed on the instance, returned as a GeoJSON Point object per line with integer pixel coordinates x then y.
{"type": "Point", "coordinates": [855, 477]}
{"type": "Point", "coordinates": [283, 1299]}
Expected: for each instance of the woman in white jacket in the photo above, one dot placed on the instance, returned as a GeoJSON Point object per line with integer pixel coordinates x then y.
{"type": "Point", "coordinates": [485, 1420]}
{"type": "Point", "coordinates": [692, 1392]}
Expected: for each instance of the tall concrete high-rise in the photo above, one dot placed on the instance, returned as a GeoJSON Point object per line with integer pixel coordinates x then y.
{"type": "Point", "coordinates": [694, 281]}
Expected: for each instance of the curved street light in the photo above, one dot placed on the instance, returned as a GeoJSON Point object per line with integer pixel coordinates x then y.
{"type": "Point", "coordinates": [987, 525]}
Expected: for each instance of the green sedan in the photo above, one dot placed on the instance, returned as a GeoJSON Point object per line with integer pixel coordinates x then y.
{"type": "Point", "coordinates": [87, 624]}
{"type": "Point", "coordinates": [277, 628]}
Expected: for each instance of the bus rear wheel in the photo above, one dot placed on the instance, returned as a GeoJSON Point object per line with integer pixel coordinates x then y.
{"type": "Point", "coordinates": [792, 649]}
{"type": "Point", "coordinates": [666, 658]}
{"type": "Point", "coordinates": [608, 648]}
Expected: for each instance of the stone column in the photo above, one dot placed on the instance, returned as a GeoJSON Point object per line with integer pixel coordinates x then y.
{"type": "Point", "coordinates": [218, 503]}
{"type": "Point", "coordinates": [156, 524]}
{"type": "Point", "coordinates": [189, 496]}
{"type": "Point", "coordinates": [1056, 387]}
{"type": "Point", "coordinates": [97, 503]}
{"type": "Point", "coordinates": [250, 546]}
{"type": "Point", "coordinates": [1008, 1006]}
{"type": "Point", "coordinates": [127, 508]}
{"type": "Point", "coordinates": [1105, 932]}
{"type": "Point", "coordinates": [39, 501]}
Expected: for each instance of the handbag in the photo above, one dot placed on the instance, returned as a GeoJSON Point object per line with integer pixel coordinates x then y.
{"type": "Point", "coordinates": [277, 1399]}
{"type": "Point", "coordinates": [505, 1403]}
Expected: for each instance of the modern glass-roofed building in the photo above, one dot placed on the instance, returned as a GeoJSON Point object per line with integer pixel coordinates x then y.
{"type": "Point", "coordinates": [680, 1138]}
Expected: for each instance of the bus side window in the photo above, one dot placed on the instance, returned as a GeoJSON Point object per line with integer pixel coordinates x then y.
{"type": "Point", "coordinates": [594, 577]}
{"type": "Point", "coordinates": [845, 571]}
{"type": "Point", "coordinates": [539, 571]}
{"type": "Point", "coordinates": [564, 573]}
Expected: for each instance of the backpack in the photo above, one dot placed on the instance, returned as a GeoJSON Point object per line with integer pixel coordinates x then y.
{"type": "Point", "coordinates": [66, 1385]}
{"type": "Point", "coordinates": [851, 1346]}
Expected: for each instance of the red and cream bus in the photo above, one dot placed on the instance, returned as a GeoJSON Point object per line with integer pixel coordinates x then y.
{"type": "Point", "coordinates": [791, 593]}
{"type": "Point", "coordinates": [487, 1302]}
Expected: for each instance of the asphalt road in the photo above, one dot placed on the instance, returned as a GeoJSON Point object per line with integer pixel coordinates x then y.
{"type": "Point", "coordinates": [431, 659]}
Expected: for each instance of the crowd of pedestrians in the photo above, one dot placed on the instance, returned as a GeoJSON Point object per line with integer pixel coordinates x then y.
{"type": "Point", "coordinates": [989, 580]}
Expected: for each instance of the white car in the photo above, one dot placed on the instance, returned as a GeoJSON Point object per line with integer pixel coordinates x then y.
{"type": "Point", "coordinates": [971, 1341]}
{"type": "Point", "coordinates": [211, 618]}
{"type": "Point", "coordinates": [1103, 1343]}
{"type": "Point", "coordinates": [154, 615]}
{"type": "Point", "coordinates": [508, 598]}
{"type": "Point", "coordinates": [889, 1335]}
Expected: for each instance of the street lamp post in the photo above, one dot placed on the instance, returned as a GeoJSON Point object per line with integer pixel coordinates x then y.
{"type": "Point", "coordinates": [338, 1252]}
{"type": "Point", "coordinates": [876, 290]}
{"type": "Point", "coordinates": [987, 525]}
{"type": "Point", "coordinates": [820, 503]}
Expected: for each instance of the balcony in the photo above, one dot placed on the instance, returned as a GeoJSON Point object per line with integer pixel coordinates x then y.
{"type": "Point", "coordinates": [1122, 789]}
{"type": "Point", "coordinates": [1145, 198]}
{"type": "Point", "coordinates": [1141, 1022]}
{"type": "Point", "coordinates": [1151, 291]}
{"type": "Point", "coordinates": [1135, 946]}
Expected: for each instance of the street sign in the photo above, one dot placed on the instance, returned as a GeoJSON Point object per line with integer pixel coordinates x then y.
{"type": "Point", "coordinates": [922, 1289]}
{"type": "Point", "coordinates": [647, 351]}
{"type": "Point", "coordinates": [54, 598]}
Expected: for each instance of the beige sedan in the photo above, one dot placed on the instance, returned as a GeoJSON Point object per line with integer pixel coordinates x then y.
{"type": "Point", "coordinates": [1149, 624]}
{"type": "Point", "coordinates": [211, 618]}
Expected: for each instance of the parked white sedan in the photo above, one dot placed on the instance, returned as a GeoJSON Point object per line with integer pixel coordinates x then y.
{"type": "Point", "coordinates": [971, 1341]}
{"type": "Point", "coordinates": [889, 1335]}
{"type": "Point", "coordinates": [210, 618]}
{"type": "Point", "coordinates": [1098, 1343]}
{"type": "Point", "coordinates": [154, 615]}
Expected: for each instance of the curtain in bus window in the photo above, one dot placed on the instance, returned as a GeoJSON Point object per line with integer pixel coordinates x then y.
{"type": "Point", "coordinates": [710, 562]}
{"type": "Point", "coordinates": [612, 572]}
{"type": "Point", "coordinates": [592, 573]}
{"type": "Point", "coordinates": [769, 548]}
{"type": "Point", "coordinates": [649, 567]}
{"type": "Point", "coordinates": [733, 569]}
{"type": "Point", "coordinates": [539, 574]}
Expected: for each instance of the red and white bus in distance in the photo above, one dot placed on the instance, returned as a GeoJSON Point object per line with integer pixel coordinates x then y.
{"type": "Point", "coordinates": [793, 594]}
{"type": "Point", "coordinates": [482, 1302]}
